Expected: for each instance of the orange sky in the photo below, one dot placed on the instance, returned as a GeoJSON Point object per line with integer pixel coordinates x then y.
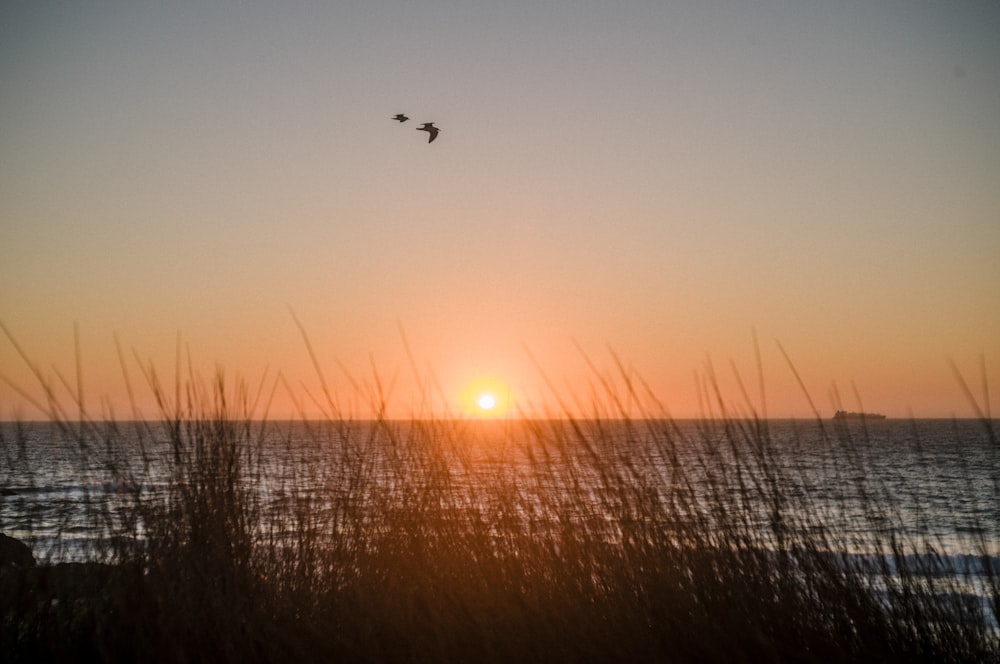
{"type": "Point", "coordinates": [659, 181]}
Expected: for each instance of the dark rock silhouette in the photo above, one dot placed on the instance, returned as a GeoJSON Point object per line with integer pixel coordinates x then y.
{"type": "Point", "coordinates": [15, 553]}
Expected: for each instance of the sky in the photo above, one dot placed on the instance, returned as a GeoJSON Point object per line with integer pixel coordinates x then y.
{"type": "Point", "coordinates": [654, 191]}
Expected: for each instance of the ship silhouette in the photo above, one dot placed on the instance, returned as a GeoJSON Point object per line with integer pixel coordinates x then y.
{"type": "Point", "coordinates": [851, 415]}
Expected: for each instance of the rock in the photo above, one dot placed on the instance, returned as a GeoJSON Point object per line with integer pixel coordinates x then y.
{"type": "Point", "coordinates": [15, 553]}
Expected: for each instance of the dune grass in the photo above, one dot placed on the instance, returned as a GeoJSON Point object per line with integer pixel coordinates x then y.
{"type": "Point", "coordinates": [432, 540]}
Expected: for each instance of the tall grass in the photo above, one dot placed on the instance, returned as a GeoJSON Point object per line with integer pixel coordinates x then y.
{"type": "Point", "coordinates": [563, 539]}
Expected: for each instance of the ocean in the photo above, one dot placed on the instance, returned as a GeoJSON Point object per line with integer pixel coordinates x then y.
{"type": "Point", "coordinates": [877, 492]}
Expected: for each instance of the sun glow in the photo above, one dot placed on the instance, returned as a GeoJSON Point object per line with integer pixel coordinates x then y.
{"type": "Point", "coordinates": [485, 398]}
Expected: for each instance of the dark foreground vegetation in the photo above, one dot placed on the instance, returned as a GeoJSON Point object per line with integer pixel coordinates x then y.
{"type": "Point", "coordinates": [414, 542]}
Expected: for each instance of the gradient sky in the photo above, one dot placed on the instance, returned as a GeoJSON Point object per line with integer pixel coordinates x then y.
{"type": "Point", "coordinates": [660, 179]}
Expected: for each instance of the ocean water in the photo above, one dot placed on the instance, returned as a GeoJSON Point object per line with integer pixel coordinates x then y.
{"type": "Point", "coordinates": [931, 486]}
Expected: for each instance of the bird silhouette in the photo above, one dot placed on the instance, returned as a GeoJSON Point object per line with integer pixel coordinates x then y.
{"type": "Point", "coordinates": [400, 117]}
{"type": "Point", "coordinates": [430, 129]}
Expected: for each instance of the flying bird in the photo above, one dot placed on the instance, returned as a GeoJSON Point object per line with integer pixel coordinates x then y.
{"type": "Point", "coordinates": [430, 129]}
{"type": "Point", "coordinates": [400, 117]}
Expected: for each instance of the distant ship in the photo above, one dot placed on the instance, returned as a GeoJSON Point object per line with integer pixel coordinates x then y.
{"type": "Point", "coordinates": [845, 415]}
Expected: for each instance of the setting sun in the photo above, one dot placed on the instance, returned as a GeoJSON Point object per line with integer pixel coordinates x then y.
{"type": "Point", "coordinates": [485, 398]}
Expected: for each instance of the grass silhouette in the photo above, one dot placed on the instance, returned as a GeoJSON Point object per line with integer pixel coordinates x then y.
{"type": "Point", "coordinates": [557, 539]}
